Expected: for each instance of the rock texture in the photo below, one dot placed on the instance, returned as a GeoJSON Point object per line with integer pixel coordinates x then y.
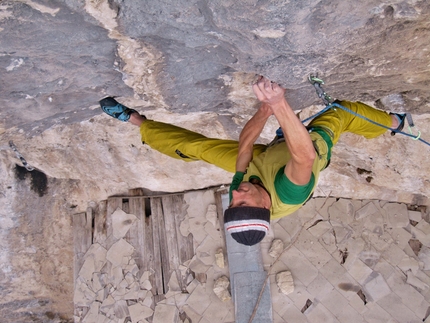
{"type": "Point", "coordinates": [350, 43]}
{"type": "Point", "coordinates": [189, 63]}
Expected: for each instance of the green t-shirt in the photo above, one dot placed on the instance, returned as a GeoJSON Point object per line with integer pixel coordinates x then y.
{"type": "Point", "coordinates": [268, 167]}
{"type": "Point", "coordinates": [290, 193]}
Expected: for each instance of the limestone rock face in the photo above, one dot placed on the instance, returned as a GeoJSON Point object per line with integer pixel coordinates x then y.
{"type": "Point", "coordinates": [189, 63]}
{"type": "Point", "coordinates": [349, 43]}
{"type": "Point", "coordinates": [55, 64]}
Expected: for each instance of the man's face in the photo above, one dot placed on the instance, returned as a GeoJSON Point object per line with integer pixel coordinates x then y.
{"type": "Point", "coordinates": [248, 194]}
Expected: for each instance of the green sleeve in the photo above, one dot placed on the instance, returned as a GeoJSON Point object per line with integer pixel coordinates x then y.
{"type": "Point", "coordinates": [290, 193]}
{"type": "Point", "coordinates": [237, 179]}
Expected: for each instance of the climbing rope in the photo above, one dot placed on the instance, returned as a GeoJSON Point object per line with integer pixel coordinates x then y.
{"type": "Point", "coordinates": [328, 101]}
{"type": "Point", "coordinates": [20, 157]}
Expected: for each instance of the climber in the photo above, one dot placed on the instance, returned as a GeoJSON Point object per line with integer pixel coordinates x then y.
{"type": "Point", "coordinates": [269, 181]}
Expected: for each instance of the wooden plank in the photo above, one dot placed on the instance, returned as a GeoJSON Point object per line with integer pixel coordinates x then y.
{"type": "Point", "coordinates": [136, 235]}
{"type": "Point", "coordinates": [164, 247]}
{"type": "Point", "coordinates": [156, 214]}
{"type": "Point", "coordinates": [125, 205]}
{"type": "Point", "coordinates": [100, 223]}
{"type": "Point", "coordinates": [219, 209]}
{"type": "Point", "coordinates": [220, 213]}
{"type": "Point", "coordinates": [82, 238]}
{"type": "Point", "coordinates": [180, 248]}
{"type": "Point", "coordinates": [171, 209]}
{"type": "Point", "coordinates": [149, 254]}
{"type": "Point", "coordinates": [186, 244]}
{"type": "Point", "coordinates": [112, 204]}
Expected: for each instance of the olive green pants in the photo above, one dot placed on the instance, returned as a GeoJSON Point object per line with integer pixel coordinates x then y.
{"type": "Point", "coordinates": [187, 145]}
{"type": "Point", "coordinates": [337, 121]}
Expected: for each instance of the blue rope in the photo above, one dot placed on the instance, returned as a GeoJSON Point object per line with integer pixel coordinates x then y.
{"type": "Point", "coordinates": [332, 105]}
{"type": "Point", "coordinates": [328, 107]}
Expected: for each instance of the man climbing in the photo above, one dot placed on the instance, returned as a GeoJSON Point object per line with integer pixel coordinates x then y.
{"type": "Point", "coordinates": [269, 181]}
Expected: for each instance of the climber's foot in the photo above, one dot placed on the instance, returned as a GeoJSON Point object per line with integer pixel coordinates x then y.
{"type": "Point", "coordinates": [115, 109]}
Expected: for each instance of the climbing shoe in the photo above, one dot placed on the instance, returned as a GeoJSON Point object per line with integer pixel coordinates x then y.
{"type": "Point", "coordinates": [401, 118]}
{"type": "Point", "coordinates": [115, 109]}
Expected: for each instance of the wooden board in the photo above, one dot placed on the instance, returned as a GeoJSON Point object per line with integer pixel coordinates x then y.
{"type": "Point", "coordinates": [180, 248]}
{"type": "Point", "coordinates": [100, 225]}
{"type": "Point", "coordinates": [113, 203]}
{"type": "Point", "coordinates": [82, 237]}
{"type": "Point", "coordinates": [156, 210]}
{"type": "Point", "coordinates": [136, 235]}
{"type": "Point", "coordinates": [159, 245]}
{"type": "Point", "coordinates": [220, 213]}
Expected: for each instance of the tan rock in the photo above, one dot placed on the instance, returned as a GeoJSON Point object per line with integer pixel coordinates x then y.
{"type": "Point", "coordinates": [139, 311]}
{"type": "Point", "coordinates": [146, 285]}
{"type": "Point", "coordinates": [191, 314]}
{"type": "Point", "coordinates": [83, 296]}
{"type": "Point", "coordinates": [196, 228]}
{"type": "Point", "coordinates": [148, 300]}
{"type": "Point", "coordinates": [423, 226]}
{"type": "Point", "coordinates": [214, 232]}
{"type": "Point", "coordinates": [205, 252]}
{"type": "Point", "coordinates": [98, 252]}
{"type": "Point", "coordinates": [93, 313]}
{"type": "Point", "coordinates": [211, 215]}
{"type": "Point", "coordinates": [398, 215]}
{"type": "Point", "coordinates": [285, 283]}
{"type": "Point", "coordinates": [320, 228]}
{"type": "Point", "coordinates": [96, 286]}
{"type": "Point", "coordinates": [219, 258]}
{"type": "Point", "coordinates": [100, 295]}
{"type": "Point", "coordinates": [145, 276]}
{"type": "Point", "coordinates": [121, 309]}
{"type": "Point", "coordinates": [131, 268]}
{"type": "Point", "coordinates": [87, 269]}
{"type": "Point", "coordinates": [107, 304]}
{"type": "Point", "coordinates": [95, 259]}
{"type": "Point", "coordinates": [118, 251]}
{"type": "Point", "coordinates": [197, 266]}
{"type": "Point", "coordinates": [221, 288]}
{"type": "Point", "coordinates": [365, 211]}
{"type": "Point", "coordinates": [276, 248]}
{"type": "Point", "coordinates": [173, 282]}
{"type": "Point", "coordinates": [184, 227]}
{"type": "Point", "coordinates": [421, 236]}
{"type": "Point", "coordinates": [116, 275]}
{"type": "Point", "coordinates": [181, 299]}
{"type": "Point", "coordinates": [415, 282]}
{"type": "Point", "coordinates": [189, 279]}
{"type": "Point", "coordinates": [199, 299]}
{"type": "Point", "coordinates": [133, 291]}
{"type": "Point", "coordinates": [121, 223]}
{"type": "Point", "coordinates": [415, 215]}
{"type": "Point", "coordinates": [165, 314]}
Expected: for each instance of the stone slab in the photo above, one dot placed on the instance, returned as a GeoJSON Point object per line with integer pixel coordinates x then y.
{"type": "Point", "coordinates": [248, 288]}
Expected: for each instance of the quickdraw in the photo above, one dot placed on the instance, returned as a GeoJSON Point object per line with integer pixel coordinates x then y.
{"type": "Point", "coordinates": [317, 82]}
{"type": "Point", "coordinates": [18, 155]}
